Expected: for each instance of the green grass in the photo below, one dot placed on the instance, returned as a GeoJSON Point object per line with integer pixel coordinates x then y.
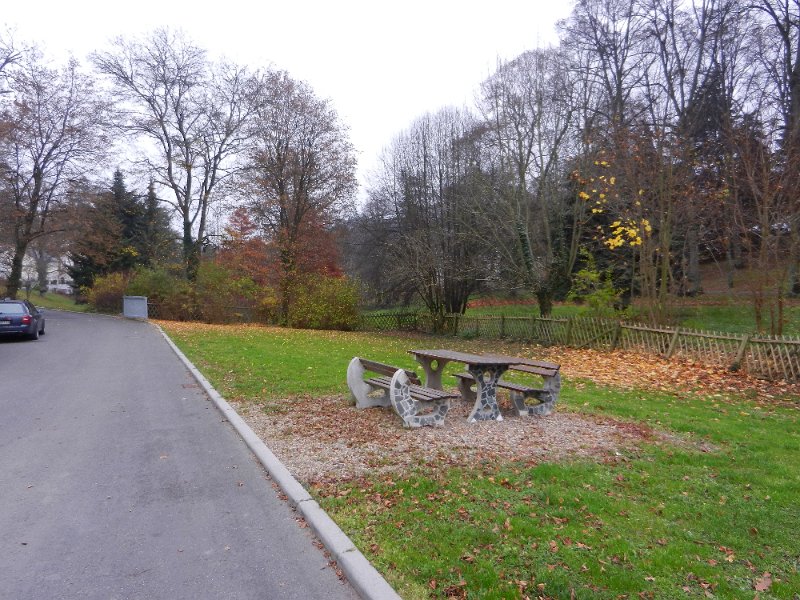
{"type": "Point", "coordinates": [667, 518]}
{"type": "Point", "coordinates": [724, 316]}
{"type": "Point", "coordinates": [734, 317]}
{"type": "Point", "coordinates": [560, 310]}
{"type": "Point", "coordinates": [57, 301]}
{"type": "Point", "coordinates": [704, 512]}
{"type": "Point", "coordinates": [718, 314]}
{"type": "Point", "coordinates": [249, 363]}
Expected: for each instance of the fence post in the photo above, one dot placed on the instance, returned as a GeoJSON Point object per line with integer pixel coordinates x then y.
{"type": "Point", "coordinates": [569, 331]}
{"type": "Point", "coordinates": [455, 324]}
{"type": "Point", "coordinates": [737, 363]}
{"type": "Point", "coordinates": [673, 342]}
{"type": "Point", "coordinates": [502, 326]}
{"type": "Point", "coordinates": [617, 334]}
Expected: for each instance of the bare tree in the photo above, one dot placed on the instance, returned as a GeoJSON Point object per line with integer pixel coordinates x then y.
{"type": "Point", "coordinates": [779, 56]}
{"type": "Point", "coordinates": [300, 171]}
{"type": "Point", "coordinates": [528, 105]}
{"type": "Point", "coordinates": [53, 132]}
{"type": "Point", "coordinates": [425, 207]}
{"type": "Point", "coordinates": [190, 116]}
{"type": "Point", "coordinates": [8, 56]}
{"type": "Point", "coordinates": [605, 42]}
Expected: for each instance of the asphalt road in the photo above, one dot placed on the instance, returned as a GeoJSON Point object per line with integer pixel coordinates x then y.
{"type": "Point", "coordinates": [119, 479]}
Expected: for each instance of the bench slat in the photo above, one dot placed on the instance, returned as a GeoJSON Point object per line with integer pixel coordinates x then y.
{"type": "Point", "coordinates": [424, 393]}
{"type": "Point", "coordinates": [384, 369]}
{"type": "Point", "coordinates": [417, 391]}
{"type": "Point", "coordinates": [382, 382]}
{"type": "Point", "coordinates": [507, 385]}
{"type": "Point", "coordinates": [544, 372]}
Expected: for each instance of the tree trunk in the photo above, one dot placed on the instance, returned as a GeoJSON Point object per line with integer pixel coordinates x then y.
{"type": "Point", "coordinates": [733, 256]}
{"type": "Point", "coordinates": [793, 283]}
{"type": "Point", "coordinates": [191, 253]}
{"type": "Point", "coordinates": [694, 284]}
{"type": "Point", "coordinates": [42, 262]}
{"type": "Point", "coordinates": [544, 297]}
{"type": "Point", "coordinates": [15, 275]}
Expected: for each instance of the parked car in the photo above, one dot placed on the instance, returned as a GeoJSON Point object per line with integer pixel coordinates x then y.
{"type": "Point", "coordinates": [20, 317]}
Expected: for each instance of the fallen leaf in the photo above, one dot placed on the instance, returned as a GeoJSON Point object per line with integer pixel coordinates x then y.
{"type": "Point", "coordinates": [763, 583]}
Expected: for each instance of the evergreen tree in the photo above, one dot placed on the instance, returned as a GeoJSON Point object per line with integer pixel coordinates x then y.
{"type": "Point", "coordinates": [158, 239]}
{"type": "Point", "coordinates": [120, 231]}
{"type": "Point", "coordinates": [129, 211]}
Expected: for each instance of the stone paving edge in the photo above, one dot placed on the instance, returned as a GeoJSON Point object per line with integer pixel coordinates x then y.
{"type": "Point", "coordinates": [360, 573]}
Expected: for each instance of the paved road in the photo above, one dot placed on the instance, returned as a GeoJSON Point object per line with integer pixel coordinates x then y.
{"type": "Point", "coordinates": [119, 479]}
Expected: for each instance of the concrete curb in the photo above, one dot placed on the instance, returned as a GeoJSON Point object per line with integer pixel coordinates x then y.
{"type": "Point", "coordinates": [364, 578]}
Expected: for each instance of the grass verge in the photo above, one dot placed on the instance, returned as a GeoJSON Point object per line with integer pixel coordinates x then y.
{"type": "Point", "coordinates": [710, 510]}
{"type": "Point", "coordinates": [58, 302]}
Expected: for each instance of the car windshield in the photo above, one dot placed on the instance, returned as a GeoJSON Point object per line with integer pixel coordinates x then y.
{"type": "Point", "coordinates": [12, 308]}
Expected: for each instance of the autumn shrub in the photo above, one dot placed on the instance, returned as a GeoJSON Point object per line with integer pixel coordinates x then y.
{"type": "Point", "coordinates": [267, 308]}
{"type": "Point", "coordinates": [222, 297]}
{"type": "Point", "coordinates": [156, 284]}
{"type": "Point", "coordinates": [170, 294]}
{"type": "Point", "coordinates": [324, 302]}
{"type": "Point", "coordinates": [107, 292]}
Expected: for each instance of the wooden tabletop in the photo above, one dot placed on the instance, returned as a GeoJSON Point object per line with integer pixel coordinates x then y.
{"type": "Point", "coordinates": [465, 357]}
{"type": "Point", "coordinates": [516, 360]}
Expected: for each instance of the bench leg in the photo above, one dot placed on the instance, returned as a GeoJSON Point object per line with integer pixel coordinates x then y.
{"type": "Point", "coordinates": [547, 397]}
{"type": "Point", "coordinates": [360, 390]}
{"type": "Point", "coordinates": [433, 377]}
{"type": "Point", "coordinates": [486, 408]}
{"type": "Point", "coordinates": [408, 408]}
{"type": "Point", "coordinates": [465, 389]}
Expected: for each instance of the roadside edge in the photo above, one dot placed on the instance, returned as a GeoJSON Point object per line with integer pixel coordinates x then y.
{"type": "Point", "coordinates": [364, 578]}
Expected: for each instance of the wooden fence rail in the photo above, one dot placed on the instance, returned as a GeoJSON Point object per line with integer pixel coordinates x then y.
{"type": "Point", "coordinates": [761, 356]}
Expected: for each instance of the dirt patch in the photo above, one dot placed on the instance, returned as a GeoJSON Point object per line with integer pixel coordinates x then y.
{"type": "Point", "coordinates": [323, 440]}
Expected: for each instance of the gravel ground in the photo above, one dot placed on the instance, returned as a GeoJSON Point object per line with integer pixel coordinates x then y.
{"type": "Point", "coordinates": [374, 440]}
{"type": "Point", "coordinates": [326, 439]}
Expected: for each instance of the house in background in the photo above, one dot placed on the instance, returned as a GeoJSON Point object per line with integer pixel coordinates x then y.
{"type": "Point", "coordinates": [58, 279]}
{"type": "Point", "coordinates": [45, 271]}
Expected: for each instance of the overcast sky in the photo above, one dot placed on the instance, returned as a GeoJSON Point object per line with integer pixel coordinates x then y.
{"type": "Point", "coordinates": [381, 63]}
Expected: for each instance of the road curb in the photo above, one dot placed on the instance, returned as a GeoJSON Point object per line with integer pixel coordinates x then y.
{"type": "Point", "coordinates": [360, 573]}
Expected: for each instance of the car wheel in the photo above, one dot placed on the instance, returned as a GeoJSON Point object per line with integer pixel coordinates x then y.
{"type": "Point", "coordinates": [41, 331]}
{"type": "Point", "coordinates": [34, 335]}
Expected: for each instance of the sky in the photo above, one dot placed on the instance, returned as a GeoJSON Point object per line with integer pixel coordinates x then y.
{"type": "Point", "coordinates": [381, 63]}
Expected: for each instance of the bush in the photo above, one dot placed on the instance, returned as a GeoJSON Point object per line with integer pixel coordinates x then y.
{"type": "Point", "coordinates": [216, 296]}
{"type": "Point", "coordinates": [171, 296]}
{"type": "Point", "coordinates": [594, 288]}
{"type": "Point", "coordinates": [321, 302]}
{"type": "Point", "coordinates": [107, 292]}
{"type": "Point", "coordinates": [268, 307]}
{"type": "Point", "coordinates": [221, 297]}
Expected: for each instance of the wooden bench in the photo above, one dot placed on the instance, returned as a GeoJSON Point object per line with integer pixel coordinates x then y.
{"type": "Point", "coordinates": [545, 396]}
{"type": "Point", "coordinates": [399, 388]}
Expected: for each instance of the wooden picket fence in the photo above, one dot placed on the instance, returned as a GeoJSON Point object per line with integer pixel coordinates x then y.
{"type": "Point", "coordinates": [768, 357]}
{"type": "Point", "coordinates": [390, 321]}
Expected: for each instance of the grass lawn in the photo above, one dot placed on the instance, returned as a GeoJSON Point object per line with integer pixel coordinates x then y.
{"type": "Point", "coordinates": [57, 301]}
{"type": "Point", "coordinates": [708, 507]}
{"type": "Point", "coordinates": [720, 315]}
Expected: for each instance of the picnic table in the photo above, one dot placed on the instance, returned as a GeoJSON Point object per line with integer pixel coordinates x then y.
{"type": "Point", "coordinates": [486, 370]}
